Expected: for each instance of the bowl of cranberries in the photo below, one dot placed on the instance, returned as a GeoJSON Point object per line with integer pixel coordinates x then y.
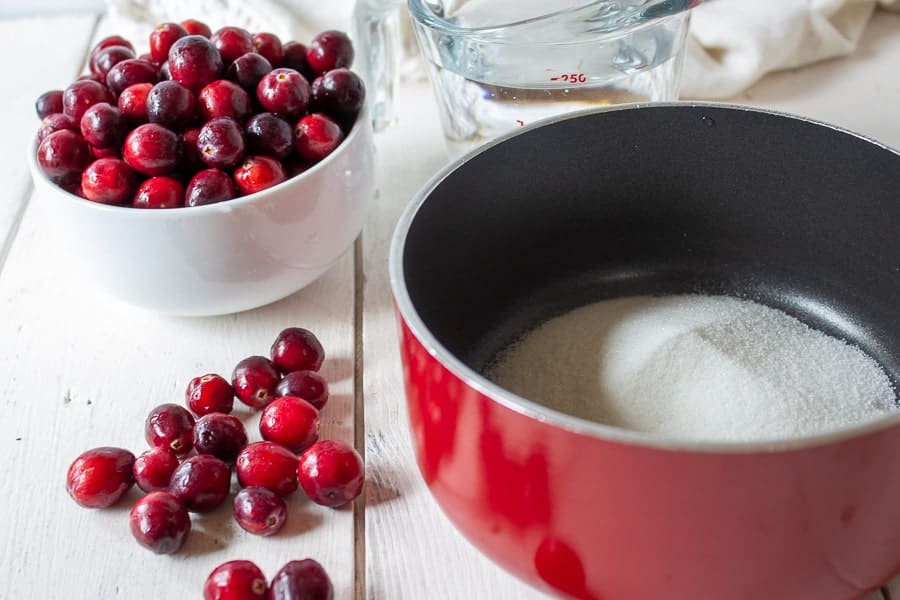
{"type": "Point", "coordinates": [217, 172]}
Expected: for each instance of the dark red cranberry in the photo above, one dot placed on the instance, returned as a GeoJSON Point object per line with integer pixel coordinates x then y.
{"type": "Point", "coordinates": [236, 580]}
{"type": "Point", "coordinates": [153, 468]}
{"type": "Point", "coordinates": [297, 349]}
{"type": "Point", "coordinates": [194, 62]}
{"type": "Point", "coordinates": [291, 422]}
{"type": "Point", "coordinates": [331, 473]}
{"type": "Point", "coordinates": [159, 192]}
{"type": "Point", "coordinates": [108, 181]}
{"type": "Point", "coordinates": [151, 149]}
{"type": "Point", "coordinates": [195, 27]}
{"type": "Point", "coordinates": [301, 580]}
{"type": "Point", "coordinates": [209, 393]}
{"type": "Point", "coordinates": [50, 103]}
{"type": "Point", "coordinates": [99, 477]}
{"type": "Point", "coordinates": [295, 165]}
{"type": "Point", "coordinates": [201, 482]}
{"type": "Point", "coordinates": [221, 143]}
{"type": "Point", "coordinates": [254, 380]}
{"type": "Point", "coordinates": [221, 435]}
{"type": "Point", "coordinates": [268, 465]}
{"type": "Point", "coordinates": [269, 135]}
{"type": "Point", "coordinates": [285, 92]}
{"type": "Point", "coordinates": [55, 122]}
{"type": "Point", "coordinates": [258, 173]}
{"type": "Point", "coordinates": [148, 57]}
{"type": "Point", "coordinates": [103, 126]}
{"type": "Point", "coordinates": [171, 104]}
{"type": "Point", "coordinates": [259, 510]}
{"type": "Point", "coordinates": [164, 73]}
{"type": "Point", "coordinates": [308, 385]}
{"type": "Point", "coordinates": [190, 154]}
{"type": "Point", "coordinates": [133, 103]}
{"type": "Point", "coordinates": [160, 522]}
{"type": "Point", "coordinates": [63, 155]}
{"type": "Point", "coordinates": [129, 72]}
{"type": "Point", "coordinates": [105, 152]}
{"type": "Point", "coordinates": [329, 50]}
{"type": "Point", "coordinates": [268, 45]}
{"type": "Point", "coordinates": [208, 187]}
{"type": "Point", "coordinates": [81, 95]}
{"type": "Point", "coordinates": [169, 425]}
{"type": "Point", "coordinates": [113, 40]}
{"type": "Point", "coordinates": [161, 39]}
{"type": "Point", "coordinates": [247, 70]}
{"type": "Point", "coordinates": [339, 93]}
{"type": "Point", "coordinates": [223, 98]}
{"type": "Point", "coordinates": [232, 42]}
{"type": "Point", "coordinates": [106, 59]}
{"type": "Point", "coordinates": [316, 136]}
{"type": "Point", "coordinates": [295, 58]}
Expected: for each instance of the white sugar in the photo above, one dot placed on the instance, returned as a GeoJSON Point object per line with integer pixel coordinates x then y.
{"type": "Point", "coordinates": [707, 368]}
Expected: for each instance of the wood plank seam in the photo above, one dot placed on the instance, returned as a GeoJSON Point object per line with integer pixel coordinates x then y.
{"type": "Point", "coordinates": [359, 424]}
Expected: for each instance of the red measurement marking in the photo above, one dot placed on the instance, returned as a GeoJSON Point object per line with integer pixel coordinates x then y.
{"type": "Point", "coordinates": [571, 77]}
{"type": "Point", "coordinates": [520, 122]}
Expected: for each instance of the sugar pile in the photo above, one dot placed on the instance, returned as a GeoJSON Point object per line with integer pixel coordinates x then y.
{"type": "Point", "coordinates": [709, 368]}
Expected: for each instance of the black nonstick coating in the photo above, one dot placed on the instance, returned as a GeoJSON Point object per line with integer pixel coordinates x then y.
{"type": "Point", "coordinates": [660, 200]}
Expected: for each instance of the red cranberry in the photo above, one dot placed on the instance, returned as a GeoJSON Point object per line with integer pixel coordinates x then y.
{"type": "Point", "coordinates": [195, 27]}
{"type": "Point", "coordinates": [164, 73]}
{"type": "Point", "coordinates": [221, 143]}
{"type": "Point", "coordinates": [108, 181]}
{"type": "Point", "coordinates": [161, 39]}
{"type": "Point", "coordinates": [316, 136]}
{"type": "Point", "coordinates": [63, 155]}
{"type": "Point", "coordinates": [159, 192]}
{"type": "Point", "coordinates": [106, 59]}
{"type": "Point", "coordinates": [236, 580]}
{"type": "Point", "coordinates": [201, 482]}
{"type": "Point", "coordinates": [221, 435]}
{"type": "Point", "coordinates": [190, 155]}
{"type": "Point", "coordinates": [55, 122]}
{"type": "Point", "coordinates": [259, 510]}
{"type": "Point", "coordinates": [339, 93]}
{"type": "Point", "coordinates": [331, 473]}
{"type": "Point", "coordinates": [208, 187]}
{"type": "Point", "coordinates": [247, 70]}
{"type": "Point", "coordinates": [268, 45]}
{"type": "Point", "coordinates": [169, 425]}
{"type": "Point", "coordinates": [160, 522]}
{"type": "Point", "coordinates": [254, 380]}
{"type": "Point", "coordinates": [129, 72]}
{"type": "Point", "coordinates": [224, 98]}
{"type": "Point", "coordinates": [258, 173]}
{"type": "Point", "coordinates": [151, 149]}
{"type": "Point", "coordinates": [154, 467]}
{"type": "Point", "coordinates": [308, 385]}
{"type": "Point", "coordinates": [301, 580]}
{"type": "Point", "coordinates": [194, 62]}
{"type": "Point", "coordinates": [285, 92]}
{"type": "Point", "coordinates": [113, 40]}
{"type": "Point", "coordinates": [133, 102]}
{"type": "Point", "coordinates": [291, 422]}
{"type": "Point", "coordinates": [103, 126]}
{"type": "Point", "coordinates": [232, 42]}
{"type": "Point", "coordinates": [268, 465]}
{"type": "Point", "coordinates": [269, 135]}
{"type": "Point", "coordinates": [209, 393]}
{"type": "Point", "coordinates": [295, 58]}
{"type": "Point", "coordinates": [99, 477]}
{"type": "Point", "coordinates": [297, 349]}
{"type": "Point", "coordinates": [329, 50]}
{"type": "Point", "coordinates": [171, 104]}
{"type": "Point", "coordinates": [81, 95]}
{"type": "Point", "coordinates": [50, 103]}
{"type": "Point", "coordinates": [105, 153]}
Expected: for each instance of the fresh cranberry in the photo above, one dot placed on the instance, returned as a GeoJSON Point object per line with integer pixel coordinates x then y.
{"type": "Point", "coordinates": [201, 482]}
{"type": "Point", "coordinates": [151, 149]}
{"type": "Point", "coordinates": [208, 394]}
{"type": "Point", "coordinates": [108, 181]}
{"type": "Point", "coordinates": [195, 27]}
{"type": "Point", "coordinates": [329, 50]}
{"type": "Point", "coordinates": [308, 385]}
{"type": "Point", "coordinates": [133, 102]}
{"type": "Point", "coordinates": [99, 477]}
{"type": "Point", "coordinates": [55, 122]}
{"type": "Point", "coordinates": [268, 465]}
{"type": "Point", "coordinates": [285, 92]}
{"type": "Point", "coordinates": [153, 468]}
{"type": "Point", "coordinates": [81, 95]}
{"type": "Point", "coordinates": [208, 187]}
{"type": "Point", "coordinates": [164, 73]}
{"type": "Point", "coordinates": [291, 422]}
{"type": "Point", "coordinates": [295, 165]}
{"type": "Point", "coordinates": [159, 192]}
{"type": "Point", "coordinates": [105, 152]}
{"type": "Point", "coordinates": [50, 103]}
{"type": "Point", "coordinates": [258, 173]}
{"type": "Point", "coordinates": [259, 510]}
{"type": "Point", "coordinates": [169, 425]}
{"type": "Point", "coordinates": [268, 45]}
{"type": "Point", "coordinates": [103, 126]}
{"type": "Point", "coordinates": [235, 580]}
{"type": "Point", "coordinates": [113, 40]}
{"type": "Point", "coordinates": [171, 104]}
{"type": "Point", "coordinates": [232, 42]}
{"type": "Point", "coordinates": [247, 70]}
{"type": "Point", "coordinates": [339, 93]}
{"type": "Point", "coordinates": [106, 59]}
{"type": "Point", "coordinates": [149, 58]}
{"type": "Point", "coordinates": [221, 143]}
{"type": "Point", "coordinates": [301, 580]}
{"type": "Point", "coordinates": [269, 135]}
{"type": "Point", "coordinates": [297, 349]}
{"type": "Point", "coordinates": [223, 98]}
{"type": "Point", "coordinates": [331, 473]}
{"type": "Point", "coordinates": [221, 435]}
{"type": "Point", "coordinates": [316, 136]}
{"type": "Point", "coordinates": [129, 72]}
{"type": "Point", "coordinates": [254, 380]}
{"type": "Point", "coordinates": [160, 522]}
{"type": "Point", "coordinates": [190, 155]}
{"type": "Point", "coordinates": [63, 155]}
{"type": "Point", "coordinates": [194, 62]}
{"type": "Point", "coordinates": [295, 58]}
{"type": "Point", "coordinates": [161, 39]}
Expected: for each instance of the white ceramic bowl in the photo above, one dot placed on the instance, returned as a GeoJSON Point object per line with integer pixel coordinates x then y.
{"type": "Point", "coordinates": [219, 258]}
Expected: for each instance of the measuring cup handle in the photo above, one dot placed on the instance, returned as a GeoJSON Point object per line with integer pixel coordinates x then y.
{"type": "Point", "coordinates": [376, 26]}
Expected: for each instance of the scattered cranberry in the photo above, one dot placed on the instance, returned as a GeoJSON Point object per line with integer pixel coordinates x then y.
{"type": "Point", "coordinates": [63, 155]}
{"type": "Point", "coordinates": [195, 27]}
{"type": "Point", "coordinates": [221, 435]}
{"type": "Point", "coordinates": [291, 422]}
{"type": "Point", "coordinates": [159, 192]}
{"type": "Point", "coordinates": [208, 394]}
{"type": "Point", "coordinates": [285, 92]}
{"type": "Point", "coordinates": [295, 58]}
{"type": "Point", "coordinates": [232, 42]}
{"type": "Point", "coordinates": [331, 473]}
{"type": "Point", "coordinates": [194, 62]}
{"type": "Point", "coordinates": [171, 104]}
{"type": "Point", "coordinates": [254, 380]}
{"type": "Point", "coordinates": [108, 181]}
{"type": "Point", "coordinates": [297, 349]}
{"type": "Point", "coordinates": [223, 98]}
{"type": "Point", "coordinates": [162, 38]}
{"type": "Point", "coordinates": [99, 477]}
{"type": "Point", "coordinates": [268, 465]}
{"type": "Point", "coordinates": [55, 122]}
{"type": "Point", "coordinates": [268, 45]}
{"type": "Point", "coordinates": [308, 385]}
{"type": "Point", "coordinates": [82, 95]}
{"type": "Point", "coordinates": [151, 149]}
{"type": "Point", "coordinates": [269, 135]}
{"type": "Point", "coordinates": [50, 103]}
{"type": "Point", "coordinates": [259, 510]}
{"type": "Point", "coordinates": [103, 126]}
{"type": "Point", "coordinates": [129, 72]}
{"type": "Point", "coordinates": [258, 173]}
{"type": "Point", "coordinates": [169, 425]}
{"type": "Point", "coordinates": [316, 136]}
{"type": "Point", "coordinates": [329, 50]}
{"type": "Point", "coordinates": [221, 143]}
{"type": "Point", "coordinates": [201, 482]}
{"type": "Point", "coordinates": [301, 580]}
{"type": "Point", "coordinates": [208, 187]}
{"type": "Point", "coordinates": [160, 522]}
{"type": "Point", "coordinates": [106, 59]}
{"type": "Point", "coordinates": [113, 40]}
{"type": "Point", "coordinates": [153, 468]}
{"type": "Point", "coordinates": [247, 70]}
{"type": "Point", "coordinates": [235, 580]}
{"type": "Point", "coordinates": [339, 92]}
{"type": "Point", "coordinates": [133, 102]}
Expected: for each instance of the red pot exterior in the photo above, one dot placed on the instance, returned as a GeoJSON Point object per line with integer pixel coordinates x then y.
{"type": "Point", "coordinates": [595, 518]}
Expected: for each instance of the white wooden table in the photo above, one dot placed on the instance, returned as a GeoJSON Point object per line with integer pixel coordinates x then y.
{"type": "Point", "coordinates": [78, 371]}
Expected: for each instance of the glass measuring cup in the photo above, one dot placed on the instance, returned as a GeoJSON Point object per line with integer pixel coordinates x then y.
{"type": "Point", "coordinates": [499, 64]}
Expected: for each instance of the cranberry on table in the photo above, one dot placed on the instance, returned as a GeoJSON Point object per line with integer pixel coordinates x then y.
{"type": "Point", "coordinates": [151, 149]}
{"type": "Point", "coordinates": [269, 465]}
{"type": "Point", "coordinates": [329, 50]}
{"type": "Point", "coordinates": [108, 181]}
{"type": "Point", "coordinates": [269, 45]}
{"type": "Point", "coordinates": [223, 98]}
{"type": "Point", "coordinates": [153, 468]}
{"type": "Point", "coordinates": [49, 103]}
{"type": "Point", "coordinates": [106, 59]}
{"type": "Point", "coordinates": [297, 349]}
{"type": "Point", "coordinates": [232, 42]}
{"type": "Point", "coordinates": [63, 155]}
{"type": "Point", "coordinates": [220, 435]}
{"type": "Point", "coordinates": [171, 104]}
{"type": "Point", "coordinates": [258, 173]}
{"type": "Point", "coordinates": [208, 394]}
{"type": "Point", "coordinates": [159, 192]}
{"type": "Point", "coordinates": [103, 126]}
{"type": "Point", "coordinates": [221, 143]}
{"type": "Point", "coordinates": [294, 57]}
{"type": "Point", "coordinates": [235, 580]}
{"type": "Point", "coordinates": [208, 187]}
{"type": "Point", "coordinates": [308, 385]}
{"type": "Point", "coordinates": [285, 92]}
{"type": "Point", "coordinates": [170, 425]}
{"type": "Point", "coordinates": [339, 92]}
{"type": "Point", "coordinates": [133, 103]}
{"type": "Point", "coordinates": [331, 473]}
{"type": "Point", "coordinates": [55, 122]}
{"type": "Point", "coordinates": [99, 477]}
{"type": "Point", "coordinates": [254, 380]}
{"type": "Point", "coordinates": [269, 135]}
{"type": "Point", "coordinates": [160, 522]}
{"type": "Point", "coordinates": [161, 39]}
{"type": "Point", "coordinates": [247, 70]}
{"type": "Point", "coordinates": [195, 27]}
{"type": "Point", "coordinates": [301, 579]}
{"type": "Point", "coordinates": [83, 94]}
{"type": "Point", "coordinates": [129, 72]}
{"type": "Point", "coordinates": [291, 422]}
{"type": "Point", "coordinates": [201, 482]}
{"type": "Point", "coordinates": [194, 62]}
{"type": "Point", "coordinates": [316, 136]}
{"type": "Point", "coordinates": [259, 511]}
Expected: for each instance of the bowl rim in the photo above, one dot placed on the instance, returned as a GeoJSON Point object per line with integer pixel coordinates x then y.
{"type": "Point", "coordinates": [559, 419]}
